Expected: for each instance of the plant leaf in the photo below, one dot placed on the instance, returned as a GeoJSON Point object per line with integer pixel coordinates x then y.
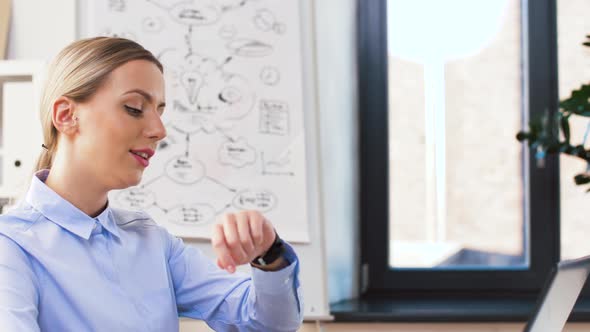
{"type": "Point", "coordinates": [582, 178]}
{"type": "Point", "coordinates": [578, 102]}
{"type": "Point", "coordinates": [565, 128]}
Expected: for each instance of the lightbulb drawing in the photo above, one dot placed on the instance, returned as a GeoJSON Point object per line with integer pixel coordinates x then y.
{"type": "Point", "coordinates": [191, 81]}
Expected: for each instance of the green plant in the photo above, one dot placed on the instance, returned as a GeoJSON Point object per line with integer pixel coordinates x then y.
{"type": "Point", "coordinates": [551, 134]}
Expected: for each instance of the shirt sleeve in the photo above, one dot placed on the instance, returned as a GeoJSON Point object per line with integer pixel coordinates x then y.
{"type": "Point", "coordinates": [18, 289]}
{"type": "Point", "coordinates": [265, 301]}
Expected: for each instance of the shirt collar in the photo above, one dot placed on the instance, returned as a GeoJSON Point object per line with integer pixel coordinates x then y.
{"type": "Point", "coordinates": [63, 213]}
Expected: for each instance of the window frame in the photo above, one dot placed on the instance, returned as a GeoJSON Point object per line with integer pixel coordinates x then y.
{"type": "Point", "coordinates": [541, 185]}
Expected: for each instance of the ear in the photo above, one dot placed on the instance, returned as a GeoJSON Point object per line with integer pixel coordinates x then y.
{"type": "Point", "coordinates": [63, 115]}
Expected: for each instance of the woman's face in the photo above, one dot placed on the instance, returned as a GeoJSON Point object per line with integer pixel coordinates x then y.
{"type": "Point", "coordinates": [124, 115]}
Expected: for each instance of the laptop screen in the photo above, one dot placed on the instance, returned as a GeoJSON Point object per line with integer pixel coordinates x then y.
{"type": "Point", "coordinates": [559, 297]}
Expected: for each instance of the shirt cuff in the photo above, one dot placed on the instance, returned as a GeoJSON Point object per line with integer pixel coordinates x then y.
{"type": "Point", "coordinates": [276, 282]}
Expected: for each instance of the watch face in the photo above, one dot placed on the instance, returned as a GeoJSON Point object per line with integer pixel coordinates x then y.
{"type": "Point", "coordinates": [260, 261]}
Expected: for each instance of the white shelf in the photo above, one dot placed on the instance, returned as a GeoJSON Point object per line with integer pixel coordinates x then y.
{"type": "Point", "coordinates": [21, 128]}
{"type": "Point", "coordinates": [16, 68]}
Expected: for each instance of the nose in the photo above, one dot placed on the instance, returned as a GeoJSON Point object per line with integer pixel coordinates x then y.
{"type": "Point", "coordinates": [155, 128]}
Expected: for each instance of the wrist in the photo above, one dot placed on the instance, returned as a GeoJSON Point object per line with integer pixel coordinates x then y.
{"type": "Point", "coordinates": [279, 264]}
{"type": "Point", "coordinates": [272, 255]}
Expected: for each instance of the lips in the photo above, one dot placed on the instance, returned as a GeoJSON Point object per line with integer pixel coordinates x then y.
{"type": "Point", "coordinates": [142, 155]}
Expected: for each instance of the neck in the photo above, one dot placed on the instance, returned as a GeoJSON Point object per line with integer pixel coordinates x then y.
{"type": "Point", "coordinates": [74, 185]}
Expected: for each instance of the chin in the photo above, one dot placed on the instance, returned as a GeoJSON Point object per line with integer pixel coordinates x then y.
{"type": "Point", "coordinates": [135, 179]}
{"type": "Point", "coordinates": [131, 180]}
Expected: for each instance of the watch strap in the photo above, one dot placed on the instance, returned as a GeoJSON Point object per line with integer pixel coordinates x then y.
{"type": "Point", "coordinates": [275, 251]}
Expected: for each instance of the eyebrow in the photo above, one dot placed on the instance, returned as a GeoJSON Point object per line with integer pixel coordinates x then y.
{"type": "Point", "coordinates": [146, 95]}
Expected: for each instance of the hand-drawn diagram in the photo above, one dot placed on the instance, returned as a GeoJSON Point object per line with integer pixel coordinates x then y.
{"type": "Point", "coordinates": [184, 171]}
{"type": "Point", "coordinates": [192, 214]}
{"type": "Point", "coordinates": [212, 95]}
{"type": "Point", "coordinates": [237, 153]}
{"type": "Point", "coordinates": [117, 5]}
{"type": "Point", "coordinates": [249, 48]}
{"type": "Point", "coordinates": [260, 200]}
{"type": "Point", "coordinates": [122, 34]}
{"type": "Point", "coordinates": [234, 117]}
{"type": "Point", "coordinates": [280, 166]}
{"type": "Point", "coordinates": [227, 32]}
{"type": "Point", "coordinates": [152, 24]}
{"type": "Point", "coordinates": [265, 20]}
{"type": "Point", "coordinates": [274, 117]}
{"type": "Point", "coordinates": [198, 12]}
{"type": "Point", "coordinates": [270, 75]}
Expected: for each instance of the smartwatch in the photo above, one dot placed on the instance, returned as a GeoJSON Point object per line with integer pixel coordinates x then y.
{"type": "Point", "coordinates": [275, 251]}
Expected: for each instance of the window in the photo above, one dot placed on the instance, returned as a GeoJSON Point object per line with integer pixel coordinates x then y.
{"type": "Point", "coordinates": [455, 172]}
{"type": "Point", "coordinates": [450, 201]}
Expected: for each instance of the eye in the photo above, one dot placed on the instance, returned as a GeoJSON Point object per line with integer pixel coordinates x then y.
{"type": "Point", "coordinates": [132, 110]}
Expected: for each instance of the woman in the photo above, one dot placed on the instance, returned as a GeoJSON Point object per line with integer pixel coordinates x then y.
{"type": "Point", "coordinates": [71, 262]}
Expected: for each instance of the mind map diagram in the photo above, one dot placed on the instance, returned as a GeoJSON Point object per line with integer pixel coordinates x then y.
{"type": "Point", "coordinates": [234, 124]}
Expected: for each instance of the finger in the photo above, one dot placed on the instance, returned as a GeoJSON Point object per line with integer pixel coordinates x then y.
{"type": "Point", "coordinates": [219, 264]}
{"type": "Point", "coordinates": [256, 221]}
{"type": "Point", "coordinates": [232, 238]}
{"type": "Point", "coordinates": [243, 223]}
{"type": "Point", "coordinates": [224, 258]}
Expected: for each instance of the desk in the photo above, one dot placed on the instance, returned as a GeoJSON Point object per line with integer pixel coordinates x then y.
{"type": "Point", "coordinates": [192, 326]}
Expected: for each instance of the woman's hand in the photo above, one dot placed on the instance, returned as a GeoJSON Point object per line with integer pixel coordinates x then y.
{"type": "Point", "coordinates": [240, 237]}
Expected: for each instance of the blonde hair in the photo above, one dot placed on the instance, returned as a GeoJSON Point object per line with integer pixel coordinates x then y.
{"type": "Point", "coordinates": [77, 72]}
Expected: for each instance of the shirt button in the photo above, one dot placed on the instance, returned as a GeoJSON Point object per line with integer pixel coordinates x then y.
{"type": "Point", "coordinates": [97, 228]}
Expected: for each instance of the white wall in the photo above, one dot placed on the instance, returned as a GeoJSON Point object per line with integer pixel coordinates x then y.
{"type": "Point", "coordinates": [39, 29]}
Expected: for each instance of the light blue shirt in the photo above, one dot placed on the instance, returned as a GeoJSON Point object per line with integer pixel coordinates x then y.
{"type": "Point", "coordinates": [61, 270]}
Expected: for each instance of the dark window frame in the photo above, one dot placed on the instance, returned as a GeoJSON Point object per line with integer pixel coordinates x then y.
{"type": "Point", "coordinates": [378, 281]}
